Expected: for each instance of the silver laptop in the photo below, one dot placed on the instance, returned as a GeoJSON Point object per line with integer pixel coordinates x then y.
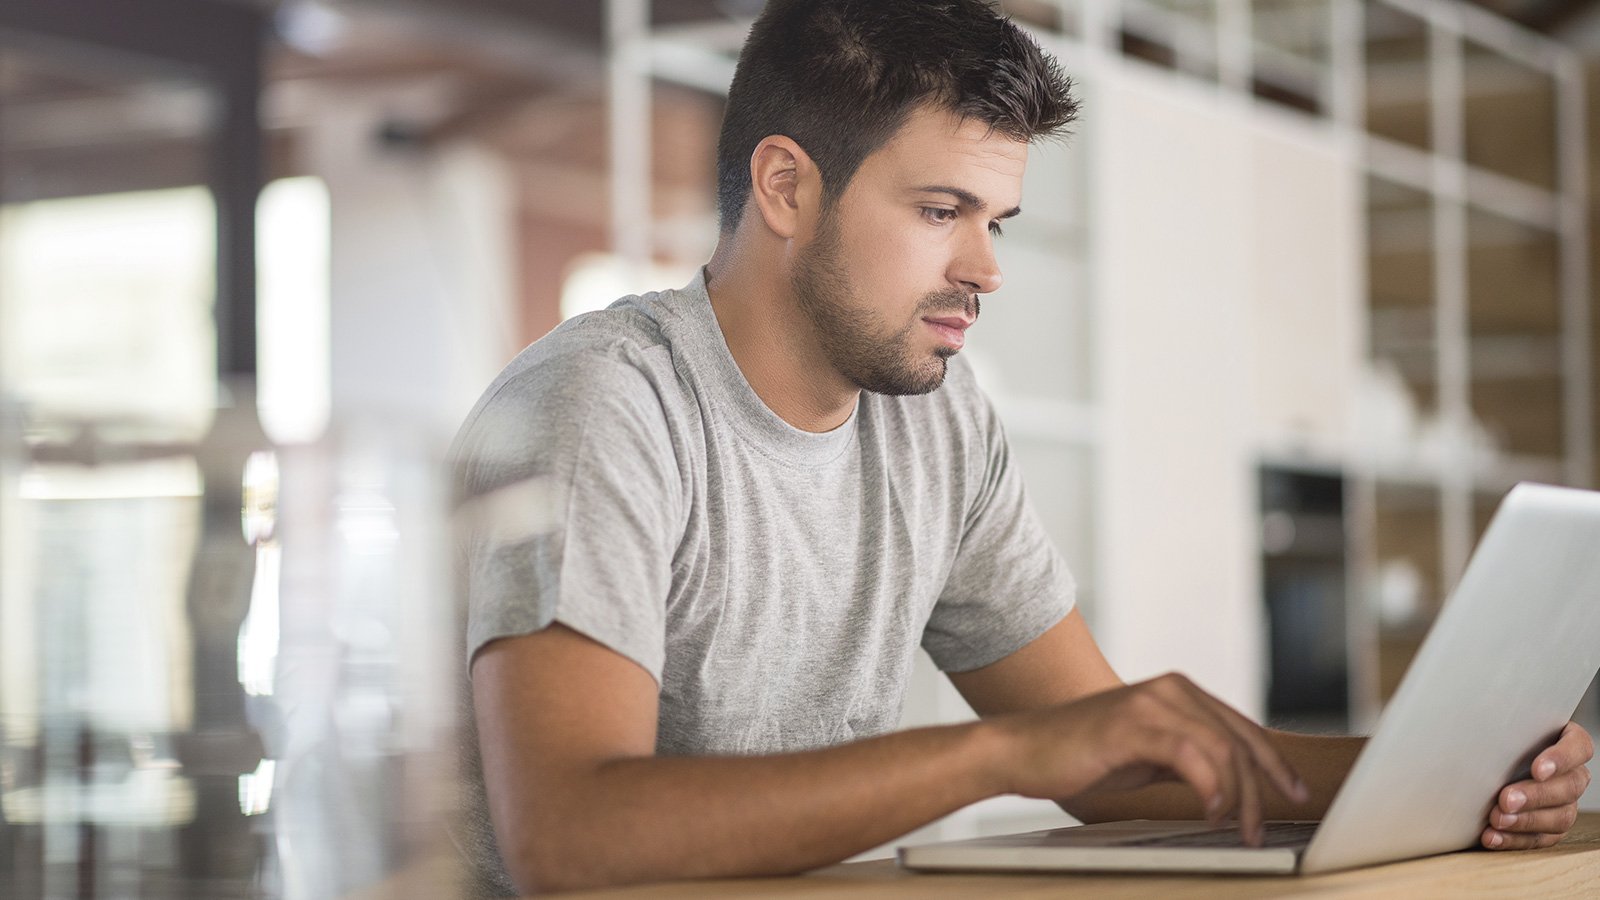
{"type": "Point", "coordinates": [1478, 703]}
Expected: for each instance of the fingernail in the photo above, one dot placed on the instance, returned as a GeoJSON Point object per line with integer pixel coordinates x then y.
{"type": "Point", "coordinates": [1301, 792]}
{"type": "Point", "coordinates": [1495, 839]}
{"type": "Point", "coordinates": [1544, 769]}
{"type": "Point", "coordinates": [1507, 819]}
{"type": "Point", "coordinates": [1213, 805]}
{"type": "Point", "coordinates": [1514, 800]}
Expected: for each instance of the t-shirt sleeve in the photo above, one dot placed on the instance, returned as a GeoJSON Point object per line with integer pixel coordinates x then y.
{"type": "Point", "coordinates": [568, 505]}
{"type": "Point", "coordinates": [1008, 584]}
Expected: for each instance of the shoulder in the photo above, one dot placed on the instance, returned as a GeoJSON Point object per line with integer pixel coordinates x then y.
{"type": "Point", "coordinates": [608, 374]}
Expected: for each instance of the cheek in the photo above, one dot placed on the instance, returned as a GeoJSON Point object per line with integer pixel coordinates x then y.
{"type": "Point", "coordinates": [893, 258]}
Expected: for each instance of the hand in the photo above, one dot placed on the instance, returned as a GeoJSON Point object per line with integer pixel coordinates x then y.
{"type": "Point", "coordinates": [1165, 729]}
{"type": "Point", "coordinates": [1539, 812]}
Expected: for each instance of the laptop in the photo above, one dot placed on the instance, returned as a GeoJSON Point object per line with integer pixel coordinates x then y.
{"type": "Point", "coordinates": [1473, 710]}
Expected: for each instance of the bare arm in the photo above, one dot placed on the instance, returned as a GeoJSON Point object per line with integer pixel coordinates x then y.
{"type": "Point", "coordinates": [567, 733]}
{"type": "Point", "coordinates": [567, 730]}
{"type": "Point", "coordinates": [1065, 664]}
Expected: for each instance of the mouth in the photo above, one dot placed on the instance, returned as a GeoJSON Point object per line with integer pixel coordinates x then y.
{"type": "Point", "coordinates": [952, 330]}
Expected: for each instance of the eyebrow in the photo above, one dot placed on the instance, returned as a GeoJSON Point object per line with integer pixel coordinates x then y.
{"type": "Point", "coordinates": [966, 197]}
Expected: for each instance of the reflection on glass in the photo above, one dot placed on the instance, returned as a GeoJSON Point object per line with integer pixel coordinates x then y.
{"type": "Point", "coordinates": [226, 670]}
{"type": "Point", "coordinates": [292, 308]}
{"type": "Point", "coordinates": [108, 733]}
{"type": "Point", "coordinates": [1399, 102]}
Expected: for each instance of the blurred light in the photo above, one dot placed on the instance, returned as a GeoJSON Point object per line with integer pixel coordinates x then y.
{"type": "Point", "coordinates": [367, 521]}
{"type": "Point", "coordinates": [292, 308]}
{"type": "Point", "coordinates": [255, 788]}
{"type": "Point", "coordinates": [259, 634]}
{"type": "Point", "coordinates": [177, 476]}
{"type": "Point", "coordinates": [145, 798]}
{"type": "Point", "coordinates": [596, 280]}
{"type": "Point", "coordinates": [107, 308]}
{"type": "Point", "coordinates": [260, 512]}
{"type": "Point", "coordinates": [311, 27]}
{"type": "Point", "coordinates": [514, 513]}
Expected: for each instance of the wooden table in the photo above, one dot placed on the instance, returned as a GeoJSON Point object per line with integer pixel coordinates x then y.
{"type": "Point", "coordinates": [1569, 869]}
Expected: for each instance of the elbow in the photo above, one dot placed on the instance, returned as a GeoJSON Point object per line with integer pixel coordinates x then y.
{"type": "Point", "coordinates": [543, 863]}
{"type": "Point", "coordinates": [536, 874]}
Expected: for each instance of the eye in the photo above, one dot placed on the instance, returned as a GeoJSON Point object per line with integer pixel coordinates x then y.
{"type": "Point", "coordinates": [938, 215]}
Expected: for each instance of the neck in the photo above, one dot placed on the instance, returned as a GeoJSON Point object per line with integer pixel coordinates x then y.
{"type": "Point", "coordinates": [774, 343]}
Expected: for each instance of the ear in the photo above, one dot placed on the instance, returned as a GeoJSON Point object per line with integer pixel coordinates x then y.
{"type": "Point", "coordinates": [784, 184]}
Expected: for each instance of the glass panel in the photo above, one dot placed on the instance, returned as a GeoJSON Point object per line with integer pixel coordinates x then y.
{"type": "Point", "coordinates": [1510, 117]}
{"type": "Point", "coordinates": [120, 712]}
{"type": "Point", "coordinates": [1397, 82]}
{"type": "Point", "coordinates": [1401, 397]}
{"type": "Point", "coordinates": [1291, 55]}
{"type": "Point", "coordinates": [1515, 329]}
{"type": "Point", "coordinates": [1176, 34]}
{"type": "Point", "coordinates": [1406, 587]}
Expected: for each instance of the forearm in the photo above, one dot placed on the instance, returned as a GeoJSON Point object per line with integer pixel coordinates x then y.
{"type": "Point", "coordinates": [654, 818]}
{"type": "Point", "coordinates": [1322, 761]}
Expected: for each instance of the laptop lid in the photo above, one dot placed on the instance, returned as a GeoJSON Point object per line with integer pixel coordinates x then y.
{"type": "Point", "coordinates": [1497, 677]}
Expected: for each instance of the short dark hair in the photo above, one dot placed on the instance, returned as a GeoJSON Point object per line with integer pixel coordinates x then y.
{"type": "Point", "coordinates": [839, 77]}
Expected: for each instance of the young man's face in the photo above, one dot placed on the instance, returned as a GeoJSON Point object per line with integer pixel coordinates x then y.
{"type": "Point", "coordinates": [892, 276]}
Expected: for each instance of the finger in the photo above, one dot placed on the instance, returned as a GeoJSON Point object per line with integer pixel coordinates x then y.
{"type": "Point", "coordinates": [1561, 790]}
{"type": "Point", "coordinates": [1283, 775]}
{"type": "Point", "coordinates": [1188, 761]}
{"type": "Point", "coordinates": [1494, 839]}
{"type": "Point", "coordinates": [1557, 821]}
{"type": "Point", "coordinates": [1572, 750]}
{"type": "Point", "coordinates": [1177, 713]}
{"type": "Point", "coordinates": [1230, 749]}
{"type": "Point", "coordinates": [1249, 799]}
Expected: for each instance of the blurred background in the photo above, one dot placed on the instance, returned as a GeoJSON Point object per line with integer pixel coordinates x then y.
{"type": "Point", "coordinates": [1306, 292]}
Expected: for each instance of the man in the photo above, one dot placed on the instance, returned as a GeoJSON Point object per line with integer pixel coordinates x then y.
{"type": "Point", "coordinates": [739, 507]}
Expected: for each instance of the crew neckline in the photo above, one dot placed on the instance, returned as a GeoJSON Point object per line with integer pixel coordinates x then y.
{"type": "Point", "coordinates": [706, 352]}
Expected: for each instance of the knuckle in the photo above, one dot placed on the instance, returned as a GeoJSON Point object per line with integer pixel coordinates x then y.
{"type": "Point", "coordinates": [1140, 703]}
{"type": "Point", "coordinates": [1184, 748]}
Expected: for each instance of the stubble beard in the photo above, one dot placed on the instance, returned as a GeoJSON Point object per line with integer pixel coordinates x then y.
{"type": "Point", "coordinates": [854, 339]}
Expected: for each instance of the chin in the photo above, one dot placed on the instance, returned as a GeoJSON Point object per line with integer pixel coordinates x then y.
{"type": "Point", "coordinates": [904, 384]}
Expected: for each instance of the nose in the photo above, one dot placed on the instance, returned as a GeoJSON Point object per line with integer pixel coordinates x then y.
{"type": "Point", "coordinates": [975, 267]}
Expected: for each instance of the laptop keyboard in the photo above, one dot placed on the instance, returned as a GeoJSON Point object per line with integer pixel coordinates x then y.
{"type": "Point", "coordinates": [1274, 834]}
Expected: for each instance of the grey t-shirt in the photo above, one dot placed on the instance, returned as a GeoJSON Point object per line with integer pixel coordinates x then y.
{"type": "Point", "coordinates": [625, 480]}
